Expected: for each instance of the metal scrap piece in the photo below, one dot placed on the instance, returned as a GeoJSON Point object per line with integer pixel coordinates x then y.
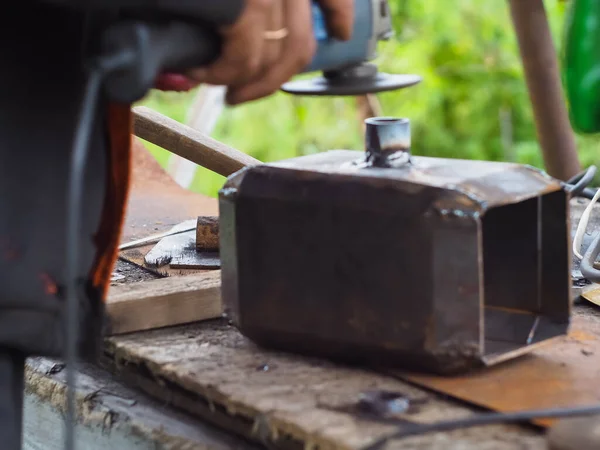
{"type": "Point", "coordinates": [180, 250]}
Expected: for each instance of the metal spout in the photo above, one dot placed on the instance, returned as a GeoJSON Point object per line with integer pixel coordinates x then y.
{"type": "Point", "coordinates": [387, 141]}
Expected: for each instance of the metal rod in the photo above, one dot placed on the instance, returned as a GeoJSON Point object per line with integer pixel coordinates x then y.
{"type": "Point", "coordinates": [387, 140]}
{"type": "Point", "coordinates": [12, 385]}
{"type": "Point", "coordinates": [540, 64]}
{"type": "Point", "coordinates": [154, 238]}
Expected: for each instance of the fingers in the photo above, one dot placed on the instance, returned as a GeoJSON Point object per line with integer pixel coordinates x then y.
{"type": "Point", "coordinates": [296, 53]}
{"type": "Point", "coordinates": [242, 50]}
{"type": "Point", "coordinates": [272, 47]}
{"type": "Point", "coordinates": [339, 15]}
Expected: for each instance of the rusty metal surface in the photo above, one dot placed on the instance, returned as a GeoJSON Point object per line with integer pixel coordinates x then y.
{"type": "Point", "coordinates": [478, 184]}
{"type": "Point", "coordinates": [564, 374]}
{"type": "Point", "coordinates": [157, 203]}
{"type": "Point", "coordinates": [439, 264]}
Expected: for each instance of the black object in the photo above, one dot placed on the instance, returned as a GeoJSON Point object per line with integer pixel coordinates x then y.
{"type": "Point", "coordinates": [493, 418]}
{"type": "Point", "coordinates": [41, 84]}
{"type": "Point", "coordinates": [11, 398]}
{"type": "Point", "coordinates": [47, 249]}
{"type": "Point", "coordinates": [149, 49]}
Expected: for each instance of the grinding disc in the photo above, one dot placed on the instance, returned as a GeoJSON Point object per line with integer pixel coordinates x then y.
{"type": "Point", "coordinates": [381, 82]}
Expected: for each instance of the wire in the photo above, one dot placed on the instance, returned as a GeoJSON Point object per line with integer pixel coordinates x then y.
{"type": "Point", "coordinates": [483, 419]}
{"type": "Point", "coordinates": [79, 157]}
{"type": "Point", "coordinates": [587, 266]}
{"type": "Point", "coordinates": [583, 224]}
{"type": "Point", "coordinates": [154, 238]}
{"type": "Point", "coordinates": [577, 184]}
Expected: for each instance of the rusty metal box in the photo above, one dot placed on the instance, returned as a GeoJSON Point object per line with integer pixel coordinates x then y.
{"type": "Point", "coordinates": [433, 264]}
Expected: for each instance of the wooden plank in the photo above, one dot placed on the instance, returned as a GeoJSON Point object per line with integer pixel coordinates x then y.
{"type": "Point", "coordinates": [284, 401]}
{"type": "Point", "coordinates": [164, 302]}
{"type": "Point", "coordinates": [109, 415]}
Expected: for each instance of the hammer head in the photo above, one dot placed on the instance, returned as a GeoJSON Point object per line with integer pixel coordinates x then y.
{"type": "Point", "coordinates": [386, 258]}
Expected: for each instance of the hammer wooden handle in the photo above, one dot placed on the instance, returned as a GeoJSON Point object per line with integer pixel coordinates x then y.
{"type": "Point", "coordinates": [189, 143]}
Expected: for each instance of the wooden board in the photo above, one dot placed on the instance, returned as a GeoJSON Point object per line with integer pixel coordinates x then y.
{"type": "Point", "coordinates": [211, 371]}
{"type": "Point", "coordinates": [110, 415]}
{"type": "Point", "coordinates": [164, 302]}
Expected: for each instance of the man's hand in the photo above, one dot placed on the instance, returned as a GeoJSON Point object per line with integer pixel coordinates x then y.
{"type": "Point", "coordinates": [271, 42]}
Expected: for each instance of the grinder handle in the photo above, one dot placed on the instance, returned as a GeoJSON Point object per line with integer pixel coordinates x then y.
{"type": "Point", "coordinates": [189, 143]}
{"type": "Point", "coordinates": [153, 49]}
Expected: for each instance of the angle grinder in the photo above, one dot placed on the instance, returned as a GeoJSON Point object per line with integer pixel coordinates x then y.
{"type": "Point", "coordinates": [165, 41]}
{"type": "Point", "coordinates": [345, 64]}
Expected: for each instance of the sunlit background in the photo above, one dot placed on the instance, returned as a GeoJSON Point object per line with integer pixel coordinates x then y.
{"type": "Point", "coordinates": [472, 102]}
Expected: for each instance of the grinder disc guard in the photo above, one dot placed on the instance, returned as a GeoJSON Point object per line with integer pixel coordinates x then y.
{"type": "Point", "coordinates": [359, 80]}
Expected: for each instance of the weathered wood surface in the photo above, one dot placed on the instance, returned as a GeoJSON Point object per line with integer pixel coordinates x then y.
{"type": "Point", "coordinates": [110, 415]}
{"type": "Point", "coordinates": [164, 302]}
{"type": "Point", "coordinates": [207, 233]}
{"type": "Point", "coordinates": [211, 371]}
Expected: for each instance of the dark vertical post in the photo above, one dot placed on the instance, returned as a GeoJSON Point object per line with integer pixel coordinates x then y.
{"type": "Point", "coordinates": [12, 384]}
{"type": "Point", "coordinates": [542, 74]}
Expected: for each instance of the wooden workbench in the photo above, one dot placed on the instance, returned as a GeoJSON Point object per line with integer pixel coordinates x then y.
{"type": "Point", "coordinates": [173, 388]}
{"type": "Point", "coordinates": [156, 414]}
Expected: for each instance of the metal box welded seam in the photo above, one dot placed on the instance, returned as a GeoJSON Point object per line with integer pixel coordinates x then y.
{"type": "Point", "coordinates": [394, 265]}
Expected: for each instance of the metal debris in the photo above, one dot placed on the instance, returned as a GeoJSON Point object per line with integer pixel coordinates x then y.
{"type": "Point", "coordinates": [179, 251]}
{"type": "Point", "coordinates": [383, 403]}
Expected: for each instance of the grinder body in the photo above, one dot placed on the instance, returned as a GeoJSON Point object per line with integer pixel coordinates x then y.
{"type": "Point", "coordinates": [372, 23]}
{"type": "Point", "coordinates": [177, 27]}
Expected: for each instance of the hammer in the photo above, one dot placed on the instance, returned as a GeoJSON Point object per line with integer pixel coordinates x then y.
{"type": "Point", "coordinates": [189, 143]}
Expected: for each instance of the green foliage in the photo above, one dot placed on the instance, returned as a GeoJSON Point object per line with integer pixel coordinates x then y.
{"type": "Point", "coordinates": [467, 54]}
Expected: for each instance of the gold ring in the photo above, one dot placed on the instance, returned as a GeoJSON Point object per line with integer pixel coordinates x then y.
{"type": "Point", "coordinates": [276, 35]}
